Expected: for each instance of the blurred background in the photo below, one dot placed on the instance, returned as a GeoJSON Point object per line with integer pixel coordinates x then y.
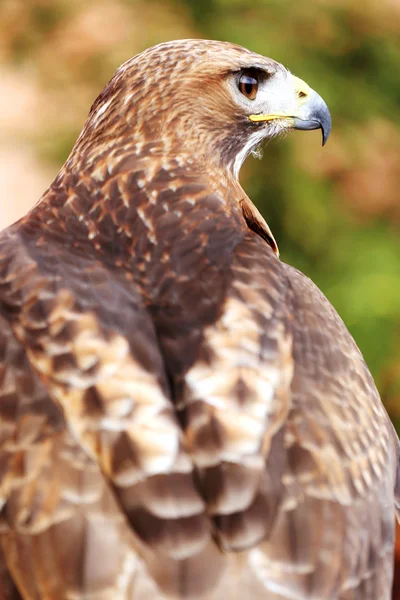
{"type": "Point", "coordinates": [335, 212]}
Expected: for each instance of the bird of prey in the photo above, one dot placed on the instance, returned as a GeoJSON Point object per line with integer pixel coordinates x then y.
{"type": "Point", "coordinates": [182, 415]}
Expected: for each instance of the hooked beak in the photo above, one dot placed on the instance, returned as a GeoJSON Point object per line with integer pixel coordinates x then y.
{"type": "Point", "coordinates": [312, 111]}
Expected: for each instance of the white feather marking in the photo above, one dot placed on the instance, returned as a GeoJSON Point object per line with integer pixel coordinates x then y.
{"type": "Point", "coordinates": [128, 98]}
{"type": "Point", "coordinates": [100, 111]}
{"type": "Point", "coordinates": [145, 220]}
{"type": "Point", "coordinates": [126, 575]}
{"type": "Point", "coordinates": [252, 143]}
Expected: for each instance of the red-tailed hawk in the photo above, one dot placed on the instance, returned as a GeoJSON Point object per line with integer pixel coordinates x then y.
{"type": "Point", "coordinates": [182, 415]}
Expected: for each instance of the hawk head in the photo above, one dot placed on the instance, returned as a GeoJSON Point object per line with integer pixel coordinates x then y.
{"type": "Point", "coordinates": [212, 101]}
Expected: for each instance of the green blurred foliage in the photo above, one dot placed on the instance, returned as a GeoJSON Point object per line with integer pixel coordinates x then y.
{"type": "Point", "coordinates": [335, 211]}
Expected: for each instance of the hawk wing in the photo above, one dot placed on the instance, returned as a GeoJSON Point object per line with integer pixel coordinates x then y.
{"type": "Point", "coordinates": [334, 535]}
{"type": "Point", "coordinates": [221, 437]}
{"type": "Point", "coordinates": [138, 431]}
{"type": "Point", "coordinates": [63, 532]}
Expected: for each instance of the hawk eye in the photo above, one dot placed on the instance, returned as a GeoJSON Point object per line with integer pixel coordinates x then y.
{"type": "Point", "coordinates": [248, 85]}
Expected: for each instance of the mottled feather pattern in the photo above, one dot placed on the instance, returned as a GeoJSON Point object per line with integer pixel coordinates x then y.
{"type": "Point", "coordinates": [182, 415]}
{"type": "Point", "coordinates": [338, 446]}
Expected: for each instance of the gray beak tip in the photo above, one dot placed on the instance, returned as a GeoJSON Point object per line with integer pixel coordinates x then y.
{"type": "Point", "coordinates": [315, 115]}
{"type": "Point", "coordinates": [326, 124]}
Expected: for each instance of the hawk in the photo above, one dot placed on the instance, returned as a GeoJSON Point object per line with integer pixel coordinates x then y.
{"type": "Point", "coordinates": [182, 415]}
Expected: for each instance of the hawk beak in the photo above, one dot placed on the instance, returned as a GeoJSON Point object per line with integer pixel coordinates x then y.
{"type": "Point", "coordinates": [312, 112]}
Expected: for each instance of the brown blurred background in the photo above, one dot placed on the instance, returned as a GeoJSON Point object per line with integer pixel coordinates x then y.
{"type": "Point", "coordinates": [335, 212]}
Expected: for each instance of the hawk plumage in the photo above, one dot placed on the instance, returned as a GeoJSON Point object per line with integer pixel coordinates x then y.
{"type": "Point", "coordinates": [182, 415]}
